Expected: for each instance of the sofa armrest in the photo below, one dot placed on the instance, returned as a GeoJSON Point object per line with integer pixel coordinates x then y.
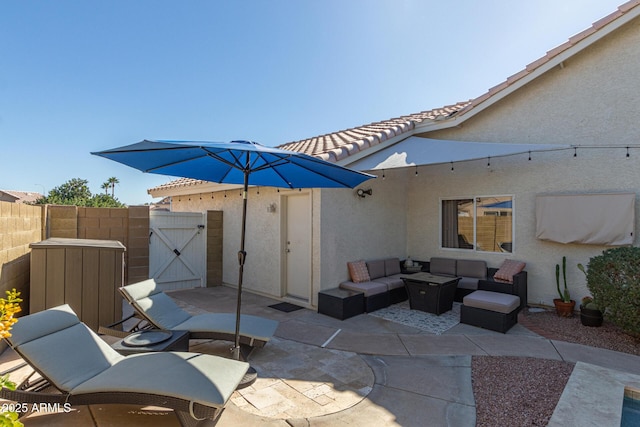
{"type": "Point", "coordinates": [519, 286]}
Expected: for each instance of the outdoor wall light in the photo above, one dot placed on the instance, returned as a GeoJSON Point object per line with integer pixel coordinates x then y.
{"type": "Point", "coordinates": [363, 193]}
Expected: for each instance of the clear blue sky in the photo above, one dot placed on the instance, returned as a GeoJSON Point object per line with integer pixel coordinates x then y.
{"type": "Point", "coordinates": [86, 75]}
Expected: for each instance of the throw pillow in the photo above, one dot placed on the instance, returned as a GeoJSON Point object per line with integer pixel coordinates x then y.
{"type": "Point", "coordinates": [508, 268]}
{"type": "Point", "coordinates": [358, 271]}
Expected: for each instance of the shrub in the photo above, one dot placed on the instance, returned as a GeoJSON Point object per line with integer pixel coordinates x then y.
{"type": "Point", "coordinates": [613, 278]}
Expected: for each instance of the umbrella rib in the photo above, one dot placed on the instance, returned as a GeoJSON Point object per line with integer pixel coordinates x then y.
{"type": "Point", "coordinates": [283, 160]}
{"type": "Point", "coordinates": [270, 165]}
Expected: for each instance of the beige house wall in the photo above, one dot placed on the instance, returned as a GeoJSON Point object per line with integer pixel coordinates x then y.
{"type": "Point", "coordinates": [20, 225]}
{"type": "Point", "coordinates": [591, 100]}
{"type": "Point", "coordinates": [368, 228]}
{"type": "Point", "coordinates": [262, 269]}
{"type": "Point", "coordinates": [344, 227]}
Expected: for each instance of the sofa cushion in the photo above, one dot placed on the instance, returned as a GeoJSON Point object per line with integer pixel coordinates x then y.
{"type": "Point", "coordinates": [507, 270]}
{"type": "Point", "coordinates": [376, 269]}
{"type": "Point", "coordinates": [358, 271]}
{"type": "Point", "coordinates": [471, 268]}
{"type": "Point", "coordinates": [468, 283]}
{"type": "Point", "coordinates": [443, 266]}
{"type": "Point", "coordinates": [392, 282]}
{"type": "Point", "coordinates": [493, 301]}
{"type": "Point", "coordinates": [368, 288]}
{"type": "Point", "coordinates": [392, 266]}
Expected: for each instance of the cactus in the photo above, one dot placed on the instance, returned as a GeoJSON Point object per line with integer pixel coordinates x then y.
{"type": "Point", "coordinates": [564, 295]}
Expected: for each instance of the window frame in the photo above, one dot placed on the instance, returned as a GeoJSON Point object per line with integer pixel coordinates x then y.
{"type": "Point", "coordinates": [476, 199]}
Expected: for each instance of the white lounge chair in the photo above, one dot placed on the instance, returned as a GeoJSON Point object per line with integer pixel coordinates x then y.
{"type": "Point", "coordinates": [85, 370]}
{"type": "Point", "coordinates": [162, 312]}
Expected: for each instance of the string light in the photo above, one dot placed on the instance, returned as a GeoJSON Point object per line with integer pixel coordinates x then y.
{"type": "Point", "coordinates": [383, 174]}
{"type": "Point", "coordinates": [575, 152]}
{"type": "Point", "coordinates": [529, 155]}
{"type": "Point", "coordinates": [451, 167]}
{"type": "Point", "coordinates": [627, 151]}
{"type": "Point", "coordinates": [489, 161]}
{"type": "Point", "coordinates": [416, 170]}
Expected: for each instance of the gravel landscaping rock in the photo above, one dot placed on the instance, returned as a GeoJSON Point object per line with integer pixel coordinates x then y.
{"type": "Point", "coordinates": [523, 391]}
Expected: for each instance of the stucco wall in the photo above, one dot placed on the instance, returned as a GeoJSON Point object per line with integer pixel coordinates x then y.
{"type": "Point", "coordinates": [367, 228]}
{"type": "Point", "coordinates": [592, 100]}
{"type": "Point", "coordinates": [344, 227]}
{"type": "Point", "coordinates": [262, 268]}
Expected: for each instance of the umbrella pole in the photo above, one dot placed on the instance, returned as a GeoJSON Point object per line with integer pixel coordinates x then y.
{"type": "Point", "coordinates": [251, 374]}
{"type": "Point", "coordinates": [242, 255]}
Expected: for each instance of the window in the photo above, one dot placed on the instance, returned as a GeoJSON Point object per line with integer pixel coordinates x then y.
{"type": "Point", "coordinates": [480, 223]}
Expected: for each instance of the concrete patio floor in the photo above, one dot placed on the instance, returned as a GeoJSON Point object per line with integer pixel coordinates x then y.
{"type": "Point", "coordinates": [363, 371]}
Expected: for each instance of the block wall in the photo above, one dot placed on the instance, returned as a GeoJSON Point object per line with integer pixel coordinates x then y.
{"type": "Point", "coordinates": [130, 226]}
{"type": "Point", "coordinates": [20, 225]}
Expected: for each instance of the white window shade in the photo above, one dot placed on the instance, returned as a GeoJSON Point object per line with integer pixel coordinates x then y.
{"type": "Point", "coordinates": [594, 219]}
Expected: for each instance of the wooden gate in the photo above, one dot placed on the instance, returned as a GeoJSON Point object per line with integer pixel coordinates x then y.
{"type": "Point", "coordinates": [177, 249]}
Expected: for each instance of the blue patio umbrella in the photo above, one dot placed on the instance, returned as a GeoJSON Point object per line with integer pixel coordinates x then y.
{"type": "Point", "coordinates": [236, 162]}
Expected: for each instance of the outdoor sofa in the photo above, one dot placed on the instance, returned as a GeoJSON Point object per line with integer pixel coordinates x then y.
{"type": "Point", "coordinates": [475, 275]}
{"type": "Point", "coordinates": [379, 280]}
{"type": "Point", "coordinates": [85, 370]}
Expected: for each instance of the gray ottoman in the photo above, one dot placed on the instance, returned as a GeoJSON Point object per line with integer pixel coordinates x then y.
{"type": "Point", "coordinates": [490, 310]}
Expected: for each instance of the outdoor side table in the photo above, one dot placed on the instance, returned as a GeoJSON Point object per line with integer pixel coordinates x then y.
{"type": "Point", "coordinates": [340, 303]}
{"type": "Point", "coordinates": [179, 341]}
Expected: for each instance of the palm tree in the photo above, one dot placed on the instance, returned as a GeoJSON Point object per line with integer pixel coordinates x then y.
{"type": "Point", "coordinates": [105, 187]}
{"type": "Point", "coordinates": [112, 182]}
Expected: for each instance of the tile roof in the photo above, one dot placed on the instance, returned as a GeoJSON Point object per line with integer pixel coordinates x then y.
{"type": "Point", "coordinates": [339, 145]}
{"type": "Point", "coordinates": [22, 196]}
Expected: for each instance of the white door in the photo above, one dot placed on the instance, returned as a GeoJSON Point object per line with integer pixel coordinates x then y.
{"type": "Point", "coordinates": [298, 247]}
{"type": "Point", "coordinates": [177, 249]}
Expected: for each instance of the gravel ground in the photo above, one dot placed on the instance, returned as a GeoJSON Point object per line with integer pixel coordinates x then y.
{"type": "Point", "coordinates": [523, 391]}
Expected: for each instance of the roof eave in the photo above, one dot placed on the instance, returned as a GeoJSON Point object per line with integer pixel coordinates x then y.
{"type": "Point", "coordinates": [185, 190]}
{"type": "Point", "coordinates": [533, 71]}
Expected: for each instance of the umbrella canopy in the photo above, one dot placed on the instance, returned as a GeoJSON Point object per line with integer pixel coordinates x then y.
{"type": "Point", "coordinates": [235, 162]}
{"type": "Point", "coordinates": [228, 162]}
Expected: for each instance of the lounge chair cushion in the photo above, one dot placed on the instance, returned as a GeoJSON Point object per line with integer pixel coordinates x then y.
{"type": "Point", "coordinates": [142, 289]}
{"type": "Point", "coordinates": [163, 311]}
{"type": "Point", "coordinates": [199, 378]}
{"type": "Point", "coordinates": [250, 326]}
{"type": "Point", "coordinates": [45, 339]}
